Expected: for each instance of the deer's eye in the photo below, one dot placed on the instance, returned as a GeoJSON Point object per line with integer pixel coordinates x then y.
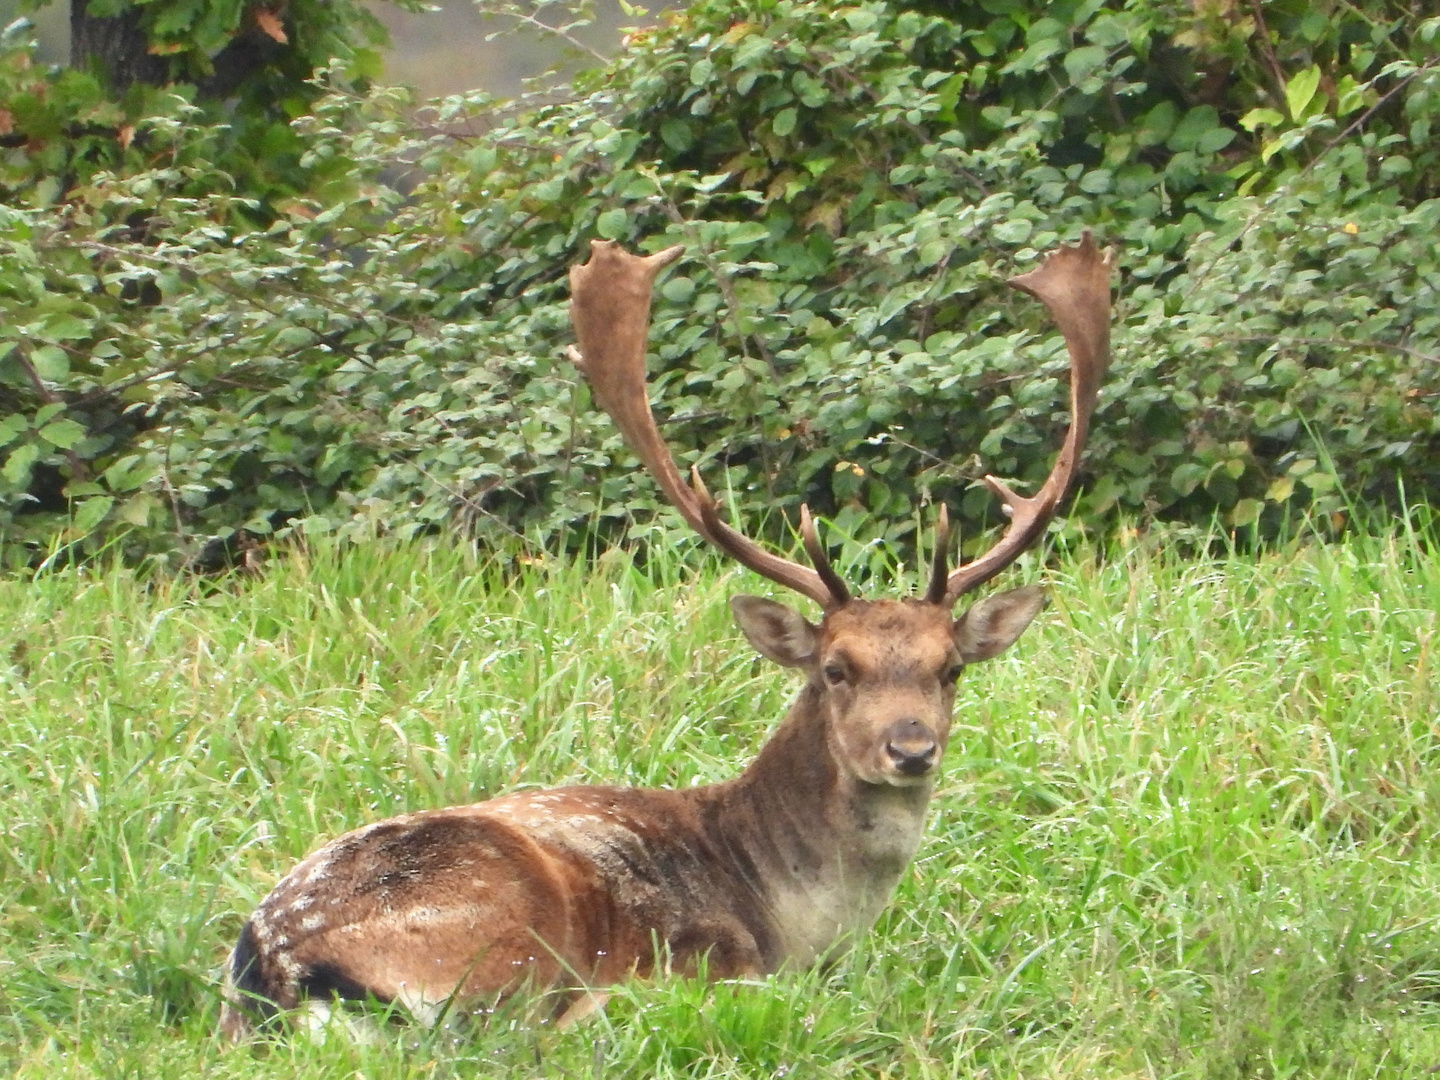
{"type": "Point", "coordinates": [834, 674]}
{"type": "Point", "coordinates": [953, 673]}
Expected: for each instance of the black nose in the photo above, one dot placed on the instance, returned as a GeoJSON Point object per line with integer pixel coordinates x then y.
{"type": "Point", "coordinates": [911, 748]}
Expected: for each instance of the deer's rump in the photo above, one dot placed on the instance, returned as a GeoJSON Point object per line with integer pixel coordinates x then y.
{"type": "Point", "coordinates": [569, 887]}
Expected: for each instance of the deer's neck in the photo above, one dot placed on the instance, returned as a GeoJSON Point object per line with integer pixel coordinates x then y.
{"type": "Point", "coordinates": [826, 848]}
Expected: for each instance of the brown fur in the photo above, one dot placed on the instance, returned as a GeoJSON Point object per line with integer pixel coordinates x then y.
{"type": "Point", "coordinates": [576, 887]}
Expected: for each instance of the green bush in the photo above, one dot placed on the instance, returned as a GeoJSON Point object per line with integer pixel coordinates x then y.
{"type": "Point", "coordinates": [854, 184]}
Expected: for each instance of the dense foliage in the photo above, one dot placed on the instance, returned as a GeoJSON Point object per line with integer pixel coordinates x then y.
{"type": "Point", "coordinates": [855, 183]}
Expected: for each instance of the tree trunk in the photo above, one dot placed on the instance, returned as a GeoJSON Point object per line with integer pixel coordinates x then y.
{"type": "Point", "coordinates": [117, 44]}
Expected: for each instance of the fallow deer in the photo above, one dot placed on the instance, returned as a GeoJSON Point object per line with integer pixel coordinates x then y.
{"type": "Point", "coordinates": [580, 887]}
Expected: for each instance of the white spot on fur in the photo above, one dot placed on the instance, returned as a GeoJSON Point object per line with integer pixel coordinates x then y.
{"type": "Point", "coordinates": [424, 916]}
{"type": "Point", "coordinates": [424, 1009]}
{"type": "Point", "coordinates": [322, 1021]}
{"type": "Point", "coordinates": [289, 965]}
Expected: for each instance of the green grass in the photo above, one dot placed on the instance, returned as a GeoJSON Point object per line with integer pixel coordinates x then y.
{"type": "Point", "coordinates": [1187, 825]}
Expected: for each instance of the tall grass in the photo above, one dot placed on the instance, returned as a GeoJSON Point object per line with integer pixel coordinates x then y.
{"type": "Point", "coordinates": [1187, 826]}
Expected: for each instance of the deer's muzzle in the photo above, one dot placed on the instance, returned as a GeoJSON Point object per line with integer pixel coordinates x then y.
{"type": "Point", "coordinates": [911, 748]}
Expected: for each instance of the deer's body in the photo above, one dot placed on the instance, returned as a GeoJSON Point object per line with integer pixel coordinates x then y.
{"type": "Point", "coordinates": [584, 886]}
{"type": "Point", "coordinates": [578, 886]}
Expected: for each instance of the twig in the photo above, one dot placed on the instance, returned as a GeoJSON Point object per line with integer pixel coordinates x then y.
{"type": "Point", "coordinates": [560, 32]}
{"type": "Point", "coordinates": [1334, 343]}
{"type": "Point", "coordinates": [1269, 51]}
{"type": "Point", "coordinates": [923, 331]}
{"type": "Point", "coordinates": [173, 495]}
{"type": "Point", "coordinates": [466, 500]}
{"type": "Point", "coordinates": [110, 390]}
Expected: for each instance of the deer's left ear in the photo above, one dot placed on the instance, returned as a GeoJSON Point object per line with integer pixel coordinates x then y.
{"type": "Point", "coordinates": [993, 624]}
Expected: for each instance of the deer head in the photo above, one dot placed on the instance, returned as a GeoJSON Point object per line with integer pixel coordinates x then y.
{"type": "Point", "coordinates": [882, 674]}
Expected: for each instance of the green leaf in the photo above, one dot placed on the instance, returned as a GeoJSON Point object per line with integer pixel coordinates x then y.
{"type": "Point", "coordinates": [294, 338]}
{"type": "Point", "coordinates": [1246, 512]}
{"type": "Point", "coordinates": [11, 427]}
{"type": "Point", "coordinates": [746, 232]}
{"type": "Point", "coordinates": [1349, 96]}
{"type": "Point", "coordinates": [17, 465]}
{"type": "Point", "coordinates": [92, 511]}
{"type": "Point", "coordinates": [1280, 489]}
{"type": "Point", "coordinates": [1082, 61]}
{"type": "Point", "coordinates": [1256, 117]}
{"type": "Point", "coordinates": [613, 224]}
{"type": "Point", "coordinates": [785, 121]}
{"type": "Point", "coordinates": [1013, 231]}
{"type": "Point", "coordinates": [1214, 140]}
{"type": "Point", "coordinates": [1300, 90]}
{"type": "Point", "coordinates": [136, 510]}
{"type": "Point", "coordinates": [51, 363]}
{"type": "Point", "coordinates": [127, 473]}
{"type": "Point", "coordinates": [1157, 124]}
{"type": "Point", "coordinates": [678, 290]}
{"type": "Point", "coordinates": [65, 328]}
{"type": "Point", "coordinates": [1187, 476]}
{"type": "Point", "coordinates": [1194, 124]}
{"type": "Point", "coordinates": [365, 64]}
{"type": "Point", "coordinates": [677, 135]}
{"type": "Point", "coordinates": [63, 433]}
{"type": "Point", "coordinates": [932, 251]}
{"type": "Point", "coordinates": [1394, 165]}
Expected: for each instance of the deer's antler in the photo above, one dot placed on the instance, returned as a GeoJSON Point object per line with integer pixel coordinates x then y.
{"type": "Point", "coordinates": [610, 307]}
{"type": "Point", "coordinates": [1074, 284]}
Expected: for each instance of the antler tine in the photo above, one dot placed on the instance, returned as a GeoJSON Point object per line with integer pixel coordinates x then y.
{"type": "Point", "coordinates": [938, 579]}
{"type": "Point", "coordinates": [1074, 285]}
{"type": "Point", "coordinates": [610, 309]}
{"type": "Point", "coordinates": [819, 559]}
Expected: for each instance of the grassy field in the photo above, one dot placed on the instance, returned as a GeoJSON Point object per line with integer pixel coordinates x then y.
{"type": "Point", "coordinates": [1187, 827]}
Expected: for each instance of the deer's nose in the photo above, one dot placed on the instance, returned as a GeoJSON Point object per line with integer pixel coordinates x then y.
{"type": "Point", "coordinates": [911, 748]}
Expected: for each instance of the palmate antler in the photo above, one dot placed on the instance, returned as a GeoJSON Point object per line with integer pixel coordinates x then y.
{"type": "Point", "coordinates": [610, 308]}
{"type": "Point", "coordinates": [1074, 284]}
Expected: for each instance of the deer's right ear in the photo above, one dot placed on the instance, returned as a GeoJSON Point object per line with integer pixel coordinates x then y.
{"type": "Point", "coordinates": [777, 632]}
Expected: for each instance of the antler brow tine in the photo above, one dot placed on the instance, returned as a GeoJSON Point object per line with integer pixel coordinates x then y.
{"type": "Point", "coordinates": [1074, 285]}
{"type": "Point", "coordinates": [610, 308]}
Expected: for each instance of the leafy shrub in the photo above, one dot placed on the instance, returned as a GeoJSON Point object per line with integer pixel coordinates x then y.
{"type": "Point", "coordinates": [855, 184]}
